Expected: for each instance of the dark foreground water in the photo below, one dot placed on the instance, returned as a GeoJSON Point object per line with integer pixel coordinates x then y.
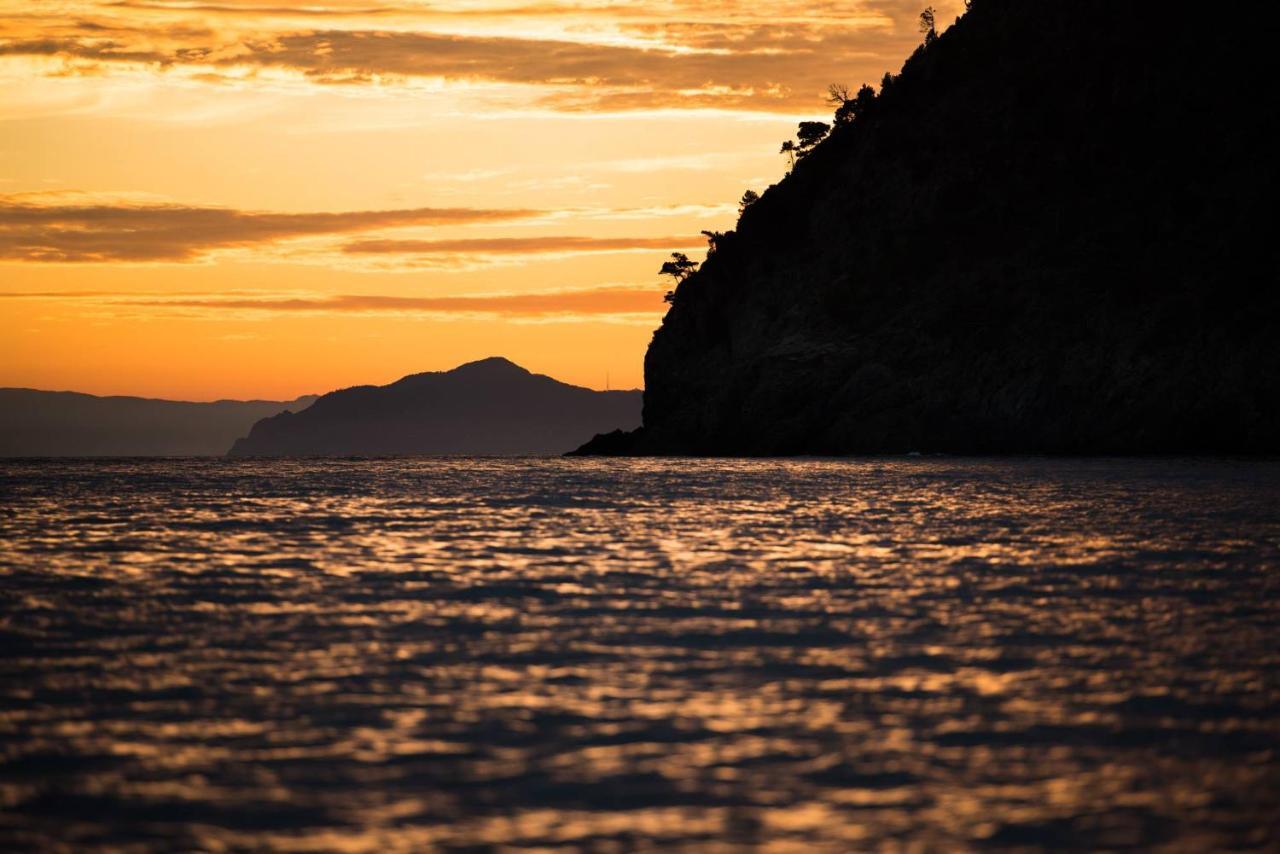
{"type": "Point", "coordinates": [653, 655]}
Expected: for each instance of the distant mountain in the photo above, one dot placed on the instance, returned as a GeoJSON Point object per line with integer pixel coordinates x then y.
{"type": "Point", "coordinates": [488, 407]}
{"type": "Point", "coordinates": [69, 424]}
{"type": "Point", "coordinates": [1053, 232]}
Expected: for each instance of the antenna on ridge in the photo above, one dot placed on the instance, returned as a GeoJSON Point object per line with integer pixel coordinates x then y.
{"type": "Point", "coordinates": [606, 380]}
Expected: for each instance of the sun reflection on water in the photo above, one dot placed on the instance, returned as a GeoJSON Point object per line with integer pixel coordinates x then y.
{"type": "Point", "coordinates": [711, 655]}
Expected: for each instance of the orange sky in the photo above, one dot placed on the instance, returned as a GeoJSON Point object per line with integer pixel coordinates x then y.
{"type": "Point", "coordinates": [265, 198]}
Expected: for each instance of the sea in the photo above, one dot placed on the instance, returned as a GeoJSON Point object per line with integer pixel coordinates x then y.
{"type": "Point", "coordinates": [443, 654]}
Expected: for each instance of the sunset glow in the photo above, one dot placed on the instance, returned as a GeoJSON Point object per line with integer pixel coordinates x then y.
{"type": "Point", "coordinates": [266, 199]}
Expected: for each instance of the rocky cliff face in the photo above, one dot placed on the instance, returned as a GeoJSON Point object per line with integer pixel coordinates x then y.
{"type": "Point", "coordinates": [1050, 233]}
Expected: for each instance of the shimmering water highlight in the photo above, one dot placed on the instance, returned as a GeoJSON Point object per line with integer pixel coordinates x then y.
{"type": "Point", "coordinates": [639, 655]}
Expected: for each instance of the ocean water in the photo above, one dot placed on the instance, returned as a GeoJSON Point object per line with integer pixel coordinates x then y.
{"type": "Point", "coordinates": [436, 654]}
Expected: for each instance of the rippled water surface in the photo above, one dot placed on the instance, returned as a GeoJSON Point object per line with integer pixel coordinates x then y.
{"type": "Point", "coordinates": [652, 655]}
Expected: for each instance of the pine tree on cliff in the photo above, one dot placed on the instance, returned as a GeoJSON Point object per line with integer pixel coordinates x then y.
{"type": "Point", "coordinates": [1026, 242]}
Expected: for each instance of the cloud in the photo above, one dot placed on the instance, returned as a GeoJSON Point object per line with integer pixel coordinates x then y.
{"type": "Point", "coordinates": [259, 10]}
{"type": "Point", "coordinates": [779, 57]}
{"type": "Point", "coordinates": [868, 12]}
{"type": "Point", "coordinates": [597, 302]}
{"type": "Point", "coordinates": [789, 74]}
{"type": "Point", "coordinates": [518, 245]}
{"type": "Point", "coordinates": [691, 210]}
{"type": "Point", "coordinates": [729, 10]}
{"type": "Point", "coordinates": [408, 11]}
{"type": "Point", "coordinates": [97, 232]}
{"type": "Point", "coordinates": [80, 48]}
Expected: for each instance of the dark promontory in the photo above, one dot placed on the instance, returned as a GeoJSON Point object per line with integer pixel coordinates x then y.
{"type": "Point", "coordinates": [1053, 232]}
{"type": "Point", "coordinates": [490, 407]}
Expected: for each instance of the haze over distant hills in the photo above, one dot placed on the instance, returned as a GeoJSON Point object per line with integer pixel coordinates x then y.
{"type": "Point", "coordinates": [70, 424]}
{"type": "Point", "coordinates": [1052, 232]}
{"type": "Point", "coordinates": [489, 407]}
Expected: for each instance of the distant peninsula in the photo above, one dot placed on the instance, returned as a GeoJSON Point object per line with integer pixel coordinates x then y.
{"type": "Point", "coordinates": [36, 423]}
{"type": "Point", "coordinates": [489, 407]}
{"type": "Point", "coordinates": [1052, 232]}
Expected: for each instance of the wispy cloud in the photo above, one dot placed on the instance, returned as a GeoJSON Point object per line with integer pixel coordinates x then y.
{"type": "Point", "coordinates": [778, 57]}
{"type": "Point", "coordinates": [518, 245]}
{"type": "Point", "coordinates": [260, 10]}
{"type": "Point", "coordinates": [597, 302]}
{"type": "Point", "coordinates": [96, 232]}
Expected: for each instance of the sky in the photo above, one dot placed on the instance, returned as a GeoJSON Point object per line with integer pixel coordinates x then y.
{"type": "Point", "coordinates": [269, 198]}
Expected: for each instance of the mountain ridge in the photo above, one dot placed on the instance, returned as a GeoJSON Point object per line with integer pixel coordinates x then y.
{"type": "Point", "coordinates": [40, 423]}
{"type": "Point", "coordinates": [486, 407]}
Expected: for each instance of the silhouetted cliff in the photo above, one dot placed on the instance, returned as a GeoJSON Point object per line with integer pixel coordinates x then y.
{"type": "Point", "coordinates": [1052, 232]}
{"type": "Point", "coordinates": [491, 407]}
{"type": "Point", "coordinates": [69, 424]}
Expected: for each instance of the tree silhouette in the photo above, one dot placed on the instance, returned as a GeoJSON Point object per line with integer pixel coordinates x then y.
{"type": "Point", "coordinates": [714, 238]}
{"type": "Point", "coordinates": [866, 98]}
{"type": "Point", "coordinates": [929, 25]}
{"type": "Point", "coordinates": [838, 97]}
{"type": "Point", "coordinates": [749, 198]}
{"type": "Point", "coordinates": [809, 135]}
{"type": "Point", "coordinates": [789, 149]}
{"type": "Point", "coordinates": [680, 267]}
{"type": "Point", "coordinates": [849, 107]}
